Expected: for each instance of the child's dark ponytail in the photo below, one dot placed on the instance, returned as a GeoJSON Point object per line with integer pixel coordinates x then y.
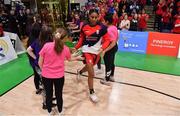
{"type": "Point", "coordinates": [59, 36]}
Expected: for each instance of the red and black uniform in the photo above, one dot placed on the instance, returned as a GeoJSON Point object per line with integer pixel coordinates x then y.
{"type": "Point", "coordinates": [92, 38]}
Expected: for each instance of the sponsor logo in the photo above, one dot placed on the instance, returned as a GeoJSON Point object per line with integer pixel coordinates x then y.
{"type": "Point", "coordinates": [133, 41]}
{"type": "Point", "coordinates": [163, 44]}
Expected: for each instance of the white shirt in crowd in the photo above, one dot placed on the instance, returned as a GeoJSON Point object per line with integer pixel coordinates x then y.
{"type": "Point", "coordinates": [125, 25]}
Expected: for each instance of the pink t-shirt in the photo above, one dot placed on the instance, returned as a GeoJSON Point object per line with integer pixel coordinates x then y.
{"type": "Point", "coordinates": [113, 32]}
{"type": "Point", "coordinates": [53, 63]}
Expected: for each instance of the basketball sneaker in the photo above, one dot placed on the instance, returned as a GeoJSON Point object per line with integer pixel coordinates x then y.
{"type": "Point", "coordinates": [93, 97]}
{"type": "Point", "coordinates": [112, 78]}
{"type": "Point", "coordinates": [99, 71]}
{"type": "Point", "coordinates": [105, 82]}
{"type": "Point", "coordinates": [50, 113]}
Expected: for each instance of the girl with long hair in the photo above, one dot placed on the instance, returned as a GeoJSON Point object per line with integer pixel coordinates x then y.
{"type": "Point", "coordinates": [110, 51]}
{"type": "Point", "coordinates": [93, 40]}
{"type": "Point", "coordinates": [51, 61]}
{"type": "Point", "coordinates": [33, 52]}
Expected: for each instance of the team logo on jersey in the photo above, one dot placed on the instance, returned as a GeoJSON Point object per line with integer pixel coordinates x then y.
{"type": "Point", "coordinates": [97, 32]}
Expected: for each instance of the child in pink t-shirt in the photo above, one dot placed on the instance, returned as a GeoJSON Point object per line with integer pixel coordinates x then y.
{"type": "Point", "coordinates": [51, 62]}
{"type": "Point", "coordinates": [109, 53]}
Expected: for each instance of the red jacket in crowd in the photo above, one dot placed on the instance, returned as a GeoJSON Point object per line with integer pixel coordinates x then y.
{"type": "Point", "coordinates": [143, 21]}
{"type": "Point", "coordinates": [159, 10]}
{"type": "Point", "coordinates": [176, 28]}
{"type": "Point", "coordinates": [166, 17]}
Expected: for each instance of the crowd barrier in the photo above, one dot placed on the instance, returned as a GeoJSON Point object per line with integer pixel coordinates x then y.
{"type": "Point", "coordinates": [156, 43]}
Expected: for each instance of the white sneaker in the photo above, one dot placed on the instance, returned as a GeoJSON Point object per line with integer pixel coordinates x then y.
{"type": "Point", "coordinates": [60, 114]}
{"type": "Point", "coordinates": [99, 71]}
{"type": "Point", "coordinates": [93, 97]}
{"type": "Point", "coordinates": [50, 113]}
{"type": "Point", "coordinates": [112, 78]}
{"type": "Point", "coordinates": [103, 81]}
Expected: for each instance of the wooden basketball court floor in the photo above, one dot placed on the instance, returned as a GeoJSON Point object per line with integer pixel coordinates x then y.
{"type": "Point", "coordinates": [135, 93]}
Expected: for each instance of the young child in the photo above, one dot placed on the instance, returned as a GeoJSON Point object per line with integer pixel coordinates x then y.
{"type": "Point", "coordinates": [33, 51]}
{"type": "Point", "coordinates": [51, 62]}
{"type": "Point", "coordinates": [110, 51]}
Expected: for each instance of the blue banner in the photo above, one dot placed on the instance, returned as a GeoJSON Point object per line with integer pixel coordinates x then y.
{"type": "Point", "coordinates": [133, 41]}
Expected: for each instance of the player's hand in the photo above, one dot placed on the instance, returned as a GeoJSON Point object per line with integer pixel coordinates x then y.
{"type": "Point", "coordinates": [103, 53]}
{"type": "Point", "coordinates": [100, 51]}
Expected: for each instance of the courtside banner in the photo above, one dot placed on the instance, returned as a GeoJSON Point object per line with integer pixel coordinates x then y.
{"type": "Point", "coordinates": [7, 52]}
{"type": "Point", "coordinates": [163, 44]}
{"type": "Point", "coordinates": [179, 52]}
{"type": "Point", "coordinates": [132, 41]}
{"type": "Point", "coordinates": [17, 44]}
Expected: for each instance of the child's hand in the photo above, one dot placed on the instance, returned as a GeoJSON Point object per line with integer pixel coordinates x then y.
{"type": "Point", "coordinates": [73, 50]}
{"type": "Point", "coordinates": [80, 58]}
